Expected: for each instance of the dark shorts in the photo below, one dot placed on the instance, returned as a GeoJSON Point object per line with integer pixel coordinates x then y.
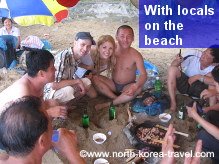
{"type": "Point", "coordinates": [184, 87]}
{"type": "Point", "coordinates": [209, 143]}
{"type": "Point", "coordinates": [212, 116]}
{"type": "Point", "coordinates": [119, 87]}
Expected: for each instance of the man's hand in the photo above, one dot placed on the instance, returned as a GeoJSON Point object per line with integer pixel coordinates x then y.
{"type": "Point", "coordinates": [167, 146]}
{"type": "Point", "coordinates": [67, 146]}
{"type": "Point", "coordinates": [207, 93]}
{"type": "Point", "coordinates": [177, 61]}
{"type": "Point", "coordinates": [130, 90]}
{"type": "Point", "coordinates": [89, 76]}
{"type": "Point", "coordinates": [57, 111]}
{"type": "Point", "coordinates": [192, 79]}
{"type": "Point", "coordinates": [195, 159]}
{"type": "Point", "coordinates": [192, 111]}
{"type": "Point", "coordinates": [81, 86]}
{"type": "Point", "coordinates": [54, 85]}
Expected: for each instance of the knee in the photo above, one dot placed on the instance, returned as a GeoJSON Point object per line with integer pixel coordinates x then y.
{"type": "Point", "coordinates": [95, 79]}
{"type": "Point", "coordinates": [64, 94]}
{"type": "Point", "coordinates": [68, 90]}
{"type": "Point", "coordinates": [93, 94]}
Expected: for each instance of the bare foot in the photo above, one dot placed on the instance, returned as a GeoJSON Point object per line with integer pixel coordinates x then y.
{"type": "Point", "coordinates": [101, 106]}
{"type": "Point", "coordinates": [173, 107]}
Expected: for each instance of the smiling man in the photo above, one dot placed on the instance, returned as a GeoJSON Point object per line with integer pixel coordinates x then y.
{"type": "Point", "coordinates": [191, 74]}
{"type": "Point", "coordinates": [66, 87]}
{"type": "Point", "coordinates": [123, 87]}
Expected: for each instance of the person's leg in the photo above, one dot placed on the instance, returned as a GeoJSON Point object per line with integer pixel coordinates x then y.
{"type": "Point", "coordinates": [90, 91]}
{"type": "Point", "coordinates": [65, 94]}
{"type": "Point", "coordinates": [209, 143]}
{"type": "Point", "coordinates": [123, 98]}
{"type": "Point", "coordinates": [212, 117]}
{"type": "Point", "coordinates": [104, 86]}
{"type": "Point", "coordinates": [173, 74]}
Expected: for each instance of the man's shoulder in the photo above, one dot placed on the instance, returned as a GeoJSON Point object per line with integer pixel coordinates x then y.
{"type": "Point", "coordinates": [63, 53]}
{"type": "Point", "coordinates": [194, 52]}
{"type": "Point", "coordinates": [61, 56]}
{"type": "Point", "coordinates": [16, 90]}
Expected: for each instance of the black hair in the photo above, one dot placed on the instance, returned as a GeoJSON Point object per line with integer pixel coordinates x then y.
{"type": "Point", "coordinates": [215, 52]}
{"type": "Point", "coordinates": [37, 60]}
{"type": "Point", "coordinates": [215, 73]}
{"type": "Point", "coordinates": [125, 27]}
{"type": "Point", "coordinates": [4, 18]}
{"type": "Point", "coordinates": [21, 125]}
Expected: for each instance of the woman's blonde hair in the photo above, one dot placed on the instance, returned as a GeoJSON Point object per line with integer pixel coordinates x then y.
{"type": "Point", "coordinates": [110, 65]}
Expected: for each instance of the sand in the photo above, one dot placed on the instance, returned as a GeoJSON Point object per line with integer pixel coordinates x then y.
{"type": "Point", "coordinates": [61, 36]}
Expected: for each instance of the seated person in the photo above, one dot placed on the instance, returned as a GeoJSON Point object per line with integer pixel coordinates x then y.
{"type": "Point", "coordinates": [66, 87]}
{"type": "Point", "coordinates": [212, 92]}
{"type": "Point", "coordinates": [103, 59]}
{"type": "Point", "coordinates": [12, 38]}
{"type": "Point", "coordinates": [195, 74]}
{"type": "Point", "coordinates": [8, 29]}
{"type": "Point", "coordinates": [123, 87]}
{"type": "Point", "coordinates": [26, 133]}
{"type": "Point", "coordinates": [209, 134]}
{"type": "Point", "coordinates": [40, 71]}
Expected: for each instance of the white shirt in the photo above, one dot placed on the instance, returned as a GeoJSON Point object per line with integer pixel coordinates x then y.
{"type": "Point", "coordinates": [14, 31]}
{"type": "Point", "coordinates": [192, 66]}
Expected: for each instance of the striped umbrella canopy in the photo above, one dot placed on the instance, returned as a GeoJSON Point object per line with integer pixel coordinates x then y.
{"type": "Point", "coordinates": [30, 12]}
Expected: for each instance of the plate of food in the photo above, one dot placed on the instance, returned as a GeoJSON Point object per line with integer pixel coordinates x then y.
{"type": "Point", "coordinates": [148, 134]}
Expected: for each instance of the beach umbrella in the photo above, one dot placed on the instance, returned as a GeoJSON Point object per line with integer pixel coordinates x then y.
{"type": "Point", "coordinates": [30, 12]}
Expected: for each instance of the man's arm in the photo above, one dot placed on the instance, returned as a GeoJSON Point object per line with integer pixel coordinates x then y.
{"type": "Point", "coordinates": [210, 128]}
{"type": "Point", "coordinates": [143, 74]}
{"type": "Point", "coordinates": [87, 67]}
{"type": "Point", "coordinates": [207, 79]}
{"type": "Point", "coordinates": [64, 83]}
{"type": "Point", "coordinates": [213, 107]}
{"type": "Point", "coordinates": [177, 61]}
{"type": "Point", "coordinates": [67, 145]}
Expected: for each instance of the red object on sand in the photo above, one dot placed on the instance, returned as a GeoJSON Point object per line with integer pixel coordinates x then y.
{"type": "Point", "coordinates": [68, 3]}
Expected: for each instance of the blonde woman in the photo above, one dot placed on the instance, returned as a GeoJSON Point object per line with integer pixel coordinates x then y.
{"type": "Point", "coordinates": [103, 56]}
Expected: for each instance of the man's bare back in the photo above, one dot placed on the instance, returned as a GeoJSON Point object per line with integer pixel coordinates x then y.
{"type": "Point", "coordinates": [22, 87]}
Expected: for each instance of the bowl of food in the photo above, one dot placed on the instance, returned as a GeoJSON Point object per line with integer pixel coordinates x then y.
{"type": "Point", "coordinates": [165, 117]}
{"type": "Point", "coordinates": [99, 138]}
{"type": "Point", "coordinates": [101, 161]}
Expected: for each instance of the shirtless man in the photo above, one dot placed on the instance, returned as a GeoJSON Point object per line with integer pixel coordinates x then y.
{"type": "Point", "coordinates": [27, 143]}
{"type": "Point", "coordinates": [40, 70]}
{"type": "Point", "coordinates": [128, 60]}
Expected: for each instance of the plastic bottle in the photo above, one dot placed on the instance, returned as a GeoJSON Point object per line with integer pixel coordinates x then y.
{"type": "Point", "coordinates": [85, 119]}
{"type": "Point", "coordinates": [112, 112]}
{"type": "Point", "coordinates": [158, 87]}
{"type": "Point", "coordinates": [181, 112]}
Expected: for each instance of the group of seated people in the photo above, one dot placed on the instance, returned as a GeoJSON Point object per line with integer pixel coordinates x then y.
{"type": "Point", "coordinates": [51, 82]}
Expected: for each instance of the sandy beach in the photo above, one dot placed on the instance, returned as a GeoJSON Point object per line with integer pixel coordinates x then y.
{"type": "Point", "coordinates": [61, 36]}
